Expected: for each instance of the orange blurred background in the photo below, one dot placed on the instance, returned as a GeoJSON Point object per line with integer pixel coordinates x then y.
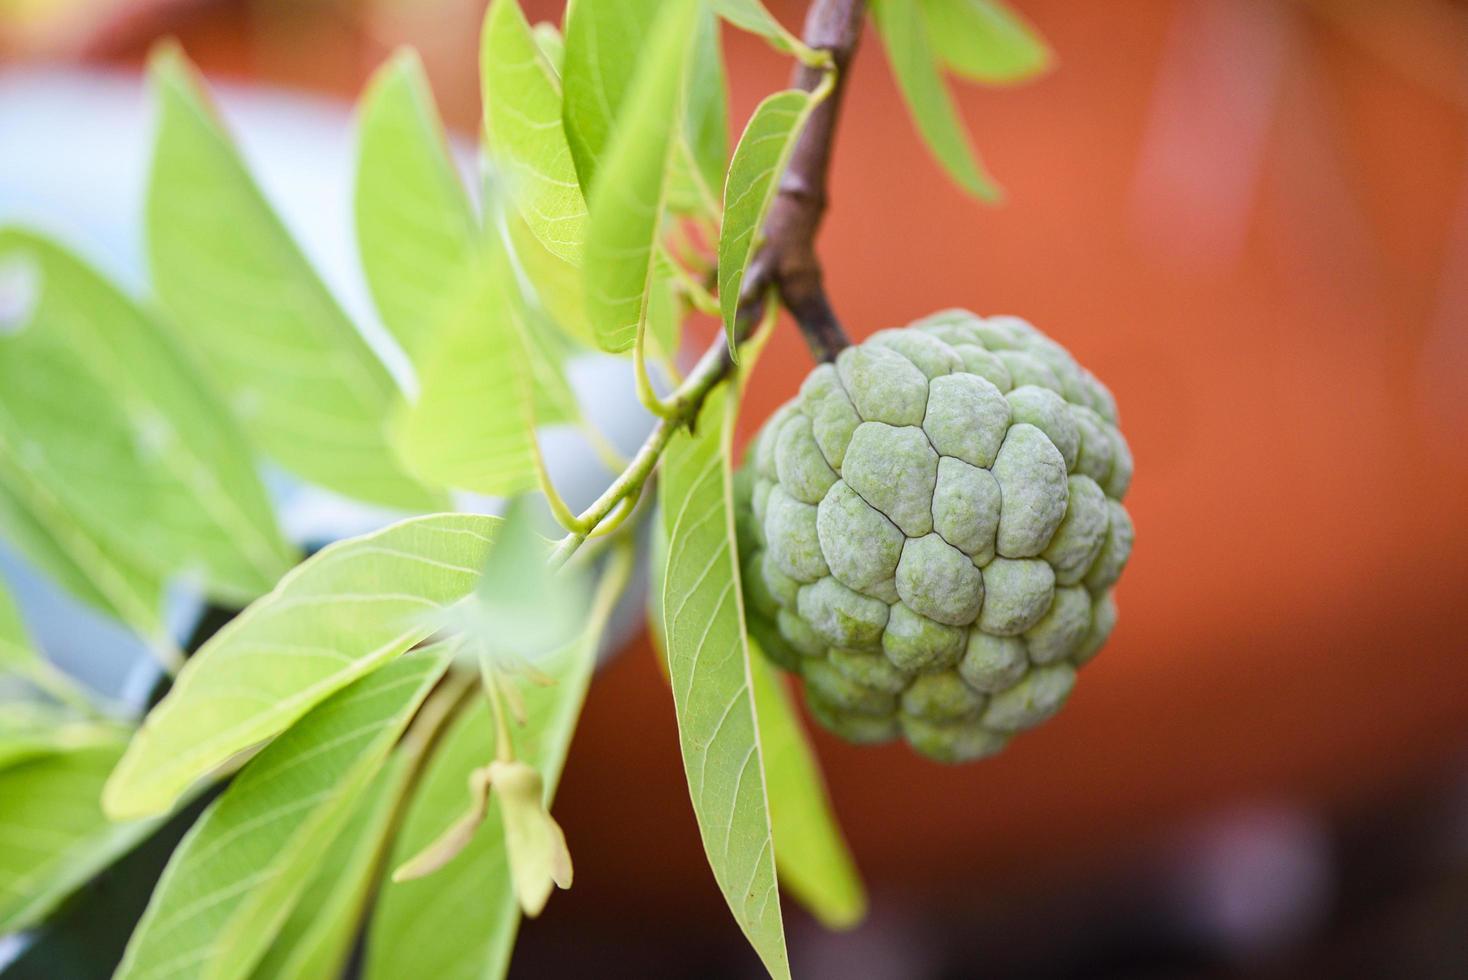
{"type": "Point", "coordinates": [1250, 218]}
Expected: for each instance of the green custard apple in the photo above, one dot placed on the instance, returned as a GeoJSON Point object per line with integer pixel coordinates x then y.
{"type": "Point", "coordinates": [931, 530]}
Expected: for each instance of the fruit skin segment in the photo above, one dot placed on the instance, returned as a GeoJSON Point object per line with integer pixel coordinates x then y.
{"type": "Point", "coordinates": [931, 530]}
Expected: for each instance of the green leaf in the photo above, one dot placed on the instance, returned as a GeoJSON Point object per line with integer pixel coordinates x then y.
{"type": "Point", "coordinates": [708, 663]}
{"type": "Point", "coordinates": [16, 652]}
{"type": "Point", "coordinates": [337, 616]}
{"type": "Point", "coordinates": [234, 878]}
{"type": "Point", "coordinates": [810, 852]}
{"type": "Point", "coordinates": [53, 834]}
{"type": "Point", "coordinates": [698, 163]}
{"type": "Point", "coordinates": [473, 425]}
{"type": "Point", "coordinates": [522, 607]}
{"type": "Point", "coordinates": [605, 42]}
{"type": "Point", "coordinates": [522, 120]}
{"type": "Point", "coordinates": [751, 16]}
{"type": "Point", "coordinates": [985, 40]}
{"type": "Point", "coordinates": [31, 729]}
{"type": "Point", "coordinates": [109, 414]}
{"type": "Point", "coordinates": [309, 390]}
{"type": "Point", "coordinates": [754, 179]}
{"type": "Point", "coordinates": [628, 198]}
{"type": "Point", "coordinates": [317, 936]}
{"type": "Point", "coordinates": [915, 63]}
{"type": "Point", "coordinates": [416, 228]}
{"type": "Point", "coordinates": [556, 284]}
{"type": "Point", "coordinates": [469, 905]}
{"type": "Point", "coordinates": [552, 45]}
{"type": "Point", "coordinates": [34, 521]}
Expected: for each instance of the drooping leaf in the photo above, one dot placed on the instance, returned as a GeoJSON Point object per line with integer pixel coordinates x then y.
{"type": "Point", "coordinates": [915, 63]}
{"type": "Point", "coordinates": [628, 198]}
{"type": "Point", "coordinates": [53, 834]}
{"type": "Point", "coordinates": [310, 392]}
{"type": "Point", "coordinates": [416, 228]}
{"type": "Point", "coordinates": [469, 905]}
{"type": "Point", "coordinates": [985, 40]}
{"type": "Point", "coordinates": [810, 853]}
{"type": "Point", "coordinates": [473, 424]}
{"type": "Point", "coordinates": [708, 663]}
{"type": "Point", "coordinates": [316, 938]}
{"type": "Point", "coordinates": [557, 285]}
{"type": "Point", "coordinates": [337, 616]}
{"type": "Point", "coordinates": [605, 43]}
{"type": "Point", "coordinates": [522, 121]}
{"type": "Point", "coordinates": [751, 16]}
{"type": "Point", "coordinates": [754, 179]}
{"type": "Point", "coordinates": [36, 524]}
{"type": "Point", "coordinates": [107, 412]}
{"type": "Point", "coordinates": [235, 877]}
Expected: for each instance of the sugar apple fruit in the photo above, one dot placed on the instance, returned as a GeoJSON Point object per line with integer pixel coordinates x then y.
{"type": "Point", "coordinates": [931, 530]}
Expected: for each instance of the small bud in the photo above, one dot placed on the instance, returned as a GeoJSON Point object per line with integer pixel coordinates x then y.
{"type": "Point", "coordinates": [533, 839]}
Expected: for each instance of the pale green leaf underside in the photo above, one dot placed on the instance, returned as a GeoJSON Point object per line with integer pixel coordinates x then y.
{"type": "Point", "coordinates": [810, 852]}
{"type": "Point", "coordinates": [915, 63]}
{"type": "Point", "coordinates": [604, 45]}
{"type": "Point", "coordinates": [317, 936]}
{"type": "Point", "coordinates": [233, 880]}
{"type": "Point", "coordinates": [985, 40]}
{"type": "Point", "coordinates": [416, 228]}
{"type": "Point", "coordinates": [340, 614]}
{"type": "Point", "coordinates": [522, 121]}
{"type": "Point", "coordinates": [628, 198]}
{"type": "Point", "coordinates": [703, 150]}
{"type": "Point", "coordinates": [708, 663]}
{"type": "Point", "coordinates": [308, 389]}
{"type": "Point", "coordinates": [469, 905]}
{"type": "Point", "coordinates": [754, 177]}
{"type": "Point", "coordinates": [35, 522]}
{"type": "Point", "coordinates": [53, 834]}
{"type": "Point", "coordinates": [472, 426]}
{"type": "Point", "coordinates": [107, 412]}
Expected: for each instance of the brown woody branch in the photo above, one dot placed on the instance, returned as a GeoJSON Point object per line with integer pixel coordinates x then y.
{"type": "Point", "coordinates": [787, 261]}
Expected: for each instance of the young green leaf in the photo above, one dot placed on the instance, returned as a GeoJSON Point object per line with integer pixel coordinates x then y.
{"type": "Point", "coordinates": [111, 416]}
{"type": "Point", "coordinates": [316, 938]}
{"type": "Point", "coordinates": [473, 425]}
{"type": "Point", "coordinates": [308, 389]}
{"type": "Point", "coordinates": [754, 178]}
{"type": "Point", "coordinates": [810, 853]}
{"type": "Point", "coordinates": [703, 150]}
{"type": "Point", "coordinates": [234, 878]}
{"type": "Point", "coordinates": [555, 284]}
{"type": "Point", "coordinates": [36, 524]}
{"type": "Point", "coordinates": [985, 40]}
{"type": "Point", "coordinates": [629, 196]}
{"type": "Point", "coordinates": [416, 228]}
{"type": "Point", "coordinates": [522, 121]}
{"type": "Point", "coordinates": [708, 662]}
{"type": "Point", "coordinates": [469, 905]}
{"type": "Point", "coordinates": [605, 42]}
{"type": "Point", "coordinates": [53, 834]}
{"type": "Point", "coordinates": [915, 63]}
{"type": "Point", "coordinates": [751, 16]}
{"type": "Point", "coordinates": [337, 616]}
{"type": "Point", "coordinates": [552, 45]}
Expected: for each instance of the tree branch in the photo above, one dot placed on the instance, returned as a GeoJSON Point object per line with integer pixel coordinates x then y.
{"type": "Point", "coordinates": [787, 261]}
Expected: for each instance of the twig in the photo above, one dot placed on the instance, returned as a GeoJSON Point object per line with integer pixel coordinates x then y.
{"type": "Point", "coordinates": [785, 264]}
